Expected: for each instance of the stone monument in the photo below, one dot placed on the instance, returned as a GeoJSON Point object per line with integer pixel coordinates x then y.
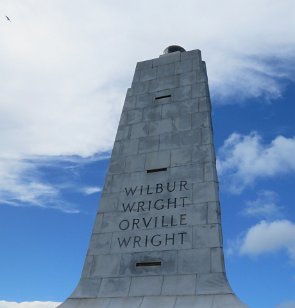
{"type": "Point", "coordinates": [157, 239]}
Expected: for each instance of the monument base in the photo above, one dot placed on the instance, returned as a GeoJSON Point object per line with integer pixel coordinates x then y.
{"type": "Point", "coordinates": [198, 301]}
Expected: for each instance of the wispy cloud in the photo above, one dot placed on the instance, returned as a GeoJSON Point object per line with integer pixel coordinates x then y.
{"type": "Point", "coordinates": [244, 158]}
{"type": "Point", "coordinates": [35, 304]}
{"type": "Point", "coordinates": [91, 190]}
{"type": "Point", "coordinates": [264, 206]}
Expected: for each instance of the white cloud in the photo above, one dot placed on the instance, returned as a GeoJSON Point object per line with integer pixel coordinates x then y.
{"type": "Point", "coordinates": [36, 304]}
{"type": "Point", "coordinates": [65, 65]}
{"type": "Point", "coordinates": [91, 190]}
{"type": "Point", "coordinates": [290, 304]}
{"type": "Point", "coordinates": [244, 158]}
{"type": "Point", "coordinates": [265, 205]}
{"type": "Point", "coordinates": [269, 237]}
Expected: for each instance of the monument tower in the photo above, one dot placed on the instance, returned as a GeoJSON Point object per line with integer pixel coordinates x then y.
{"type": "Point", "coordinates": [157, 239]}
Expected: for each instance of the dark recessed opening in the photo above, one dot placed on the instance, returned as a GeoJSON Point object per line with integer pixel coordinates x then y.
{"type": "Point", "coordinates": [148, 263]}
{"type": "Point", "coordinates": [161, 97]}
{"type": "Point", "coordinates": [156, 170]}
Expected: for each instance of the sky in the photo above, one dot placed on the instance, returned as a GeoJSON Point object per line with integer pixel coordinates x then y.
{"type": "Point", "coordinates": [65, 67]}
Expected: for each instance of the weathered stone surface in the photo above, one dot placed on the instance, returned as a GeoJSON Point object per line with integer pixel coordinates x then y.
{"type": "Point", "coordinates": [157, 239]}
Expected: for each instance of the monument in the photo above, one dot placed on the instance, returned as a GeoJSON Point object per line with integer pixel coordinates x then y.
{"type": "Point", "coordinates": [157, 239]}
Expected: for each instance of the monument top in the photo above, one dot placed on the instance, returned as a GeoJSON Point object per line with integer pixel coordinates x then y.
{"type": "Point", "coordinates": [173, 48]}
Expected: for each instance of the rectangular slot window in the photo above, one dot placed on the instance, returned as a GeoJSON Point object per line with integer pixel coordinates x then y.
{"type": "Point", "coordinates": [148, 263]}
{"type": "Point", "coordinates": [162, 97]}
{"type": "Point", "coordinates": [156, 170]}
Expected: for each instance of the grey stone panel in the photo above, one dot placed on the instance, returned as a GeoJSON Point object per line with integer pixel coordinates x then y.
{"type": "Point", "coordinates": [144, 64]}
{"type": "Point", "coordinates": [116, 149]}
{"type": "Point", "coordinates": [201, 119]}
{"type": "Point", "coordinates": [144, 100]}
{"type": "Point", "coordinates": [149, 144]}
{"type": "Point", "coordinates": [164, 83]}
{"type": "Point", "coordinates": [135, 163]}
{"type": "Point", "coordinates": [183, 93]}
{"type": "Point", "coordinates": [98, 302]}
{"type": "Point", "coordinates": [145, 286]}
{"type": "Point", "coordinates": [200, 89]}
{"type": "Point", "coordinates": [108, 203]}
{"type": "Point", "coordinates": [139, 130]}
{"type": "Point", "coordinates": [228, 301]}
{"type": "Point", "coordinates": [181, 156]}
{"type": "Point", "coordinates": [130, 102]}
{"type": "Point", "coordinates": [205, 192]}
{"type": "Point", "coordinates": [148, 74]}
{"type": "Point", "coordinates": [114, 287]}
{"type": "Point", "coordinates": [196, 54]}
{"type": "Point", "coordinates": [188, 78]}
{"type": "Point", "coordinates": [207, 136]}
{"type": "Point", "coordinates": [213, 212]}
{"type": "Point", "coordinates": [204, 104]}
{"type": "Point", "coordinates": [201, 301]}
{"type": "Point", "coordinates": [160, 127]}
{"type": "Point", "coordinates": [98, 222]}
{"type": "Point", "coordinates": [148, 240]}
{"type": "Point", "coordinates": [158, 301]}
{"type": "Point", "coordinates": [129, 147]}
{"type": "Point", "coordinates": [105, 265]}
{"type": "Point", "coordinates": [140, 87]}
{"type": "Point", "coordinates": [127, 302]}
{"type": "Point", "coordinates": [217, 260]}
{"type": "Point", "coordinates": [206, 236]}
{"type": "Point", "coordinates": [179, 285]}
{"type": "Point", "coordinates": [210, 173]}
{"type": "Point", "coordinates": [166, 70]}
{"type": "Point", "coordinates": [168, 258]}
{"type": "Point", "coordinates": [184, 66]}
{"type": "Point", "coordinates": [213, 283]}
{"type": "Point", "coordinates": [123, 119]}
{"type": "Point", "coordinates": [87, 267]}
{"type": "Point", "coordinates": [122, 133]}
{"type": "Point", "coordinates": [182, 123]}
{"type": "Point", "coordinates": [177, 109]}
{"type": "Point", "coordinates": [152, 113]}
{"type": "Point", "coordinates": [203, 153]}
{"type": "Point", "coordinates": [134, 116]}
{"type": "Point", "coordinates": [100, 243]}
{"type": "Point", "coordinates": [166, 59]}
{"type": "Point", "coordinates": [136, 76]}
{"type": "Point", "coordinates": [87, 288]}
{"type": "Point", "coordinates": [193, 173]}
{"type": "Point", "coordinates": [117, 165]}
{"type": "Point", "coordinates": [156, 160]}
{"type": "Point", "coordinates": [194, 261]}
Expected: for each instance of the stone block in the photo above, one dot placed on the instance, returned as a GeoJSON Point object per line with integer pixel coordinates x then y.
{"type": "Point", "coordinates": [200, 301]}
{"type": "Point", "coordinates": [182, 123]}
{"type": "Point", "coordinates": [134, 116]}
{"type": "Point", "coordinates": [116, 149]}
{"type": "Point", "coordinates": [156, 160]}
{"type": "Point", "coordinates": [166, 70]}
{"type": "Point", "coordinates": [87, 288]}
{"type": "Point", "coordinates": [130, 102]}
{"type": "Point", "coordinates": [205, 192]}
{"type": "Point", "coordinates": [203, 153]}
{"type": "Point", "coordinates": [160, 127]}
{"type": "Point", "coordinates": [149, 144]}
{"type": "Point", "coordinates": [90, 303]}
{"type": "Point", "coordinates": [167, 58]}
{"type": "Point", "coordinates": [192, 173]}
{"type": "Point", "coordinates": [108, 203]}
{"type": "Point", "coordinates": [188, 78]}
{"type": "Point", "coordinates": [167, 258]}
{"type": "Point", "coordinates": [125, 302]}
{"type": "Point", "coordinates": [207, 136]}
{"type": "Point", "coordinates": [123, 132]}
{"type": "Point", "coordinates": [129, 147]}
{"type": "Point", "coordinates": [200, 89]}
{"type": "Point", "coordinates": [181, 156]}
{"type": "Point", "coordinates": [170, 141]}
{"type": "Point", "coordinates": [201, 119]}
{"type": "Point", "coordinates": [144, 100]}
{"type": "Point", "coordinates": [183, 93]}
{"type": "Point", "coordinates": [164, 83]}
{"type": "Point", "coordinates": [158, 301]}
{"type": "Point", "coordinates": [213, 283]}
{"type": "Point", "coordinates": [210, 173]}
{"type": "Point", "coordinates": [194, 261]}
{"type": "Point", "coordinates": [87, 267]}
{"type": "Point", "coordinates": [98, 223]}
{"type": "Point", "coordinates": [152, 113]}
{"type": "Point", "coordinates": [148, 74]}
{"type": "Point", "coordinates": [204, 104]}
{"type": "Point", "coordinates": [213, 212]}
{"type": "Point", "coordinates": [123, 118]}
{"type": "Point", "coordinates": [105, 265]}
{"type": "Point", "coordinates": [217, 260]}
{"type": "Point", "coordinates": [100, 243]}
{"type": "Point", "coordinates": [196, 54]}
{"type": "Point", "coordinates": [179, 285]}
{"type": "Point", "coordinates": [136, 76]}
{"type": "Point", "coordinates": [144, 64]}
{"type": "Point", "coordinates": [228, 301]}
{"type": "Point", "coordinates": [117, 165]}
{"type": "Point", "coordinates": [206, 236]}
{"type": "Point", "coordinates": [135, 163]}
{"type": "Point", "coordinates": [180, 108]}
{"type": "Point", "coordinates": [140, 87]}
{"type": "Point", "coordinates": [146, 286]}
{"type": "Point", "coordinates": [139, 130]}
{"type": "Point", "coordinates": [190, 137]}
{"type": "Point", "coordinates": [184, 66]}
{"type": "Point", "coordinates": [114, 287]}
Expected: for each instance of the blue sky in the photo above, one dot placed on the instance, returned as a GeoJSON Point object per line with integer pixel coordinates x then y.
{"type": "Point", "coordinates": [65, 68]}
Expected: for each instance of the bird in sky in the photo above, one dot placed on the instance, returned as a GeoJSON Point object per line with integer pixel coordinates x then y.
{"type": "Point", "coordinates": [8, 19]}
